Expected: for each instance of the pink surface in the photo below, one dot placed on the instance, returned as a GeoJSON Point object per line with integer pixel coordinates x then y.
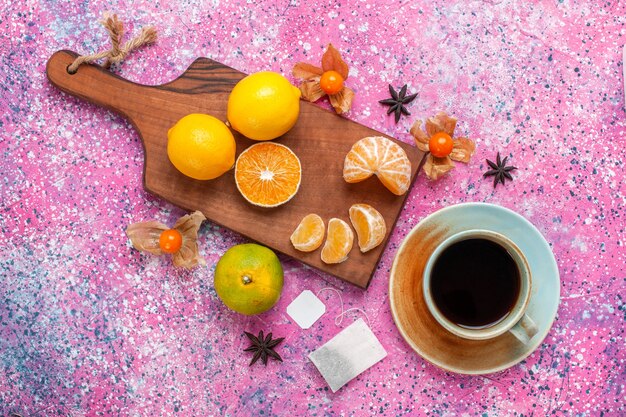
{"type": "Point", "coordinates": [89, 326]}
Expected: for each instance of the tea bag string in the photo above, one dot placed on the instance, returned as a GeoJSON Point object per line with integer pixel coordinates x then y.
{"type": "Point", "coordinates": [117, 52]}
{"type": "Point", "coordinates": [339, 318]}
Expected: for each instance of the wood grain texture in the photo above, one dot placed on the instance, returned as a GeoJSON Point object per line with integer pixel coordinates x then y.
{"type": "Point", "coordinates": [320, 138]}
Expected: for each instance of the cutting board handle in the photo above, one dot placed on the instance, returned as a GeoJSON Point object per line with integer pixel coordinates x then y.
{"type": "Point", "coordinates": [92, 83]}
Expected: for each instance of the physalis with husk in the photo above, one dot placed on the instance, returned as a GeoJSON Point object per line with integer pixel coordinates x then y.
{"type": "Point", "coordinates": [438, 140]}
{"type": "Point", "coordinates": [328, 80]}
{"type": "Point", "coordinates": [179, 241]}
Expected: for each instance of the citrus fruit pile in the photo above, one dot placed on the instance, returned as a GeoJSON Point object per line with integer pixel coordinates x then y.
{"type": "Point", "coordinates": [262, 106]}
{"type": "Point", "coordinates": [375, 155]}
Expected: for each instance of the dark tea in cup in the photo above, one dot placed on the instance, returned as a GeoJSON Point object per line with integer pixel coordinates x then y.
{"type": "Point", "coordinates": [475, 283]}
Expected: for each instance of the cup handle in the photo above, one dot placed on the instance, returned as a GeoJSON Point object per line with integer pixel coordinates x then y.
{"type": "Point", "coordinates": [525, 329]}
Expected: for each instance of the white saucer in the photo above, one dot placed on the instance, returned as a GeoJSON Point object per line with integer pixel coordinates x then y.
{"type": "Point", "coordinates": [420, 329]}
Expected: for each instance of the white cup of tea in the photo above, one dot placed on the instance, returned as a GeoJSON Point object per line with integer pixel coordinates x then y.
{"type": "Point", "coordinates": [477, 285]}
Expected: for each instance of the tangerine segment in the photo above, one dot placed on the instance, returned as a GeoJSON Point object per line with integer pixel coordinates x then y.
{"type": "Point", "coordinates": [268, 174]}
{"type": "Point", "coordinates": [339, 238]}
{"type": "Point", "coordinates": [309, 234]}
{"type": "Point", "coordinates": [369, 225]}
{"type": "Point", "coordinates": [377, 155]}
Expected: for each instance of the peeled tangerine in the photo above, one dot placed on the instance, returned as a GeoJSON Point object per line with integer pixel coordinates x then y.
{"type": "Point", "coordinates": [309, 234]}
{"type": "Point", "coordinates": [339, 238]}
{"type": "Point", "coordinates": [369, 225]}
{"type": "Point", "coordinates": [377, 155]}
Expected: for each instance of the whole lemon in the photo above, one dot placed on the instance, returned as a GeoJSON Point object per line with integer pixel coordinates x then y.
{"type": "Point", "coordinates": [249, 278]}
{"type": "Point", "coordinates": [201, 146]}
{"type": "Point", "coordinates": [263, 106]}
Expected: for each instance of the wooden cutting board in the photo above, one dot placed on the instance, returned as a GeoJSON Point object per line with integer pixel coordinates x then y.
{"type": "Point", "coordinates": [320, 138]}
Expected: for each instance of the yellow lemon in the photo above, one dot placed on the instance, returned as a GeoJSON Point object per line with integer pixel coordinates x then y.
{"type": "Point", "coordinates": [263, 106]}
{"type": "Point", "coordinates": [201, 146]}
{"type": "Point", "coordinates": [249, 278]}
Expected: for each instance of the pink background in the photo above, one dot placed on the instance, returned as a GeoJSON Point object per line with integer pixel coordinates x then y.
{"type": "Point", "coordinates": [89, 326]}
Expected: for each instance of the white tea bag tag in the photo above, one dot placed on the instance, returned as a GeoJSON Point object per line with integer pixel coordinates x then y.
{"type": "Point", "coordinates": [348, 354]}
{"type": "Point", "coordinates": [306, 309]}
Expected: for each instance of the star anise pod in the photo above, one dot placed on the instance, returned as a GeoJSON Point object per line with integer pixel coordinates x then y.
{"type": "Point", "coordinates": [263, 347]}
{"type": "Point", "coordinates": [397, 102]}
{"type": "Point", "coordinates": [499, 170]}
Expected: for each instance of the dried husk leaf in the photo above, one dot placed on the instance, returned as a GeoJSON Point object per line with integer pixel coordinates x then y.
{"type": "Point", "coordinates": [190, 223]}
{"type": "Point", "coordinates": [304, 71]}
{"type": "Point", "coordinates": [437, 167]}
{"type": "Point", "coordinates": [331, 61]}
{"type": "Point", "coordinates": [188, 256]}
{"type": "Point", "coordinates": [447, 123]}
{"type": "Point", "coordinates": [311, 90]}
{"type": "Point", "coordinates": [462, 150]}
{"type": "Point", "coordinates": [342, 101]}
{"type": "Point", "coordinates": [144, 236]}
{"type": "Point", "coordinates": [421, 138]}
{"type": "Point", "coordinates": [433, 126]}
